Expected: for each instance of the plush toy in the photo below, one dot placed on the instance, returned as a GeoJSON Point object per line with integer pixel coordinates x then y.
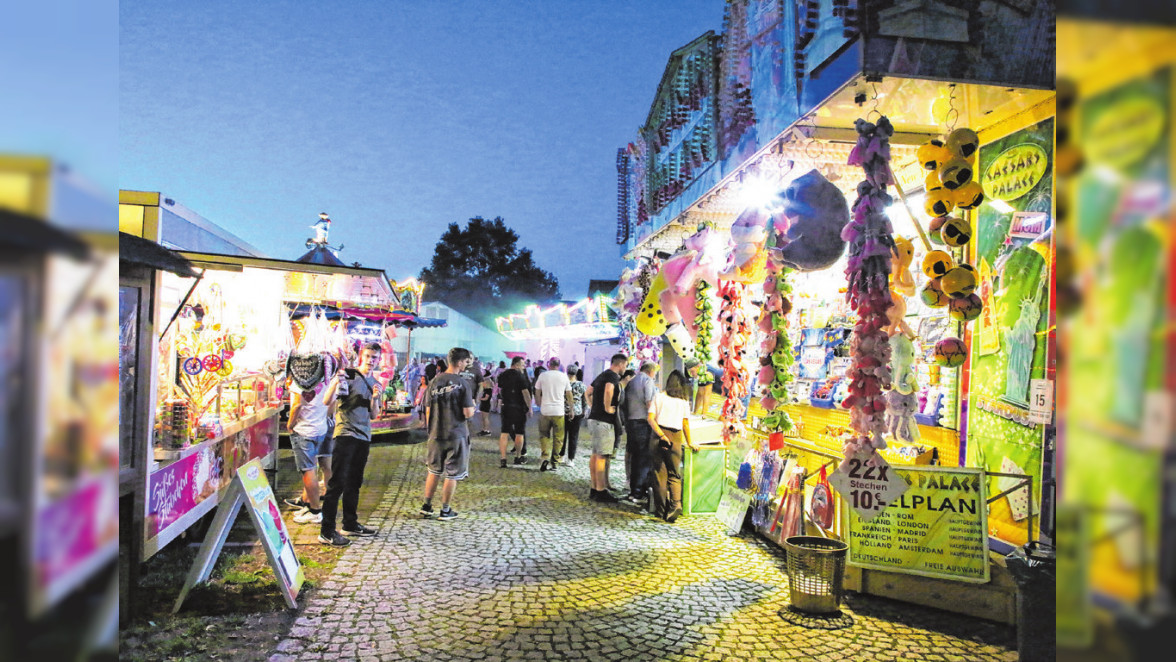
{"type": "Point", "coordinates": [816, 212]}
{"type": "Point", "coordinates": [902, 285]}
{"type": "Point", "coordinates": [671, 305]}
{"type": "Point", "coordinates": [932, 154]}
{"type": "Point", "coordinates": [902, 365]}
{"type": "Point", "coordinates": [950, 352]}
{"type": "Point", "coordinates": [933, 295]}
{"type": "Point", "coordinates": [955, 173]}
{"type": "Point", "coordinates": [900, 416]}
{"type": "Point", "coordinates": [963, 143]}
{"type": "Point", "coordinates": [934, 227]}
{"type": "Point", "coordinates": [955, 231]}
{"type": "Point", "coordinates": [747, 261]}
{"type": "Point", "coordinates": [959, 282]}
{"type": "Point", "coordinates": [968, 196]}
{"type": "Point", "coordinates": [966, 309]}
{"type": "Point", "coordinates": [937, 263]}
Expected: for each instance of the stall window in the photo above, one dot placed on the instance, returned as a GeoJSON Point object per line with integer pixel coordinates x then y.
{"type": "Point", "coordinates": [11, 350]}
{"type": "Point", "coordinates": [128, 369]}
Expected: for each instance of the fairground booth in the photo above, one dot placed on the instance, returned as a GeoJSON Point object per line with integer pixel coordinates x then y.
{"type": "Point", "coordinates": [584, 332]}
{"type": "Point", "coordinates": [224, 342]}
{"type": "Point", "coordinates": [845, 211]}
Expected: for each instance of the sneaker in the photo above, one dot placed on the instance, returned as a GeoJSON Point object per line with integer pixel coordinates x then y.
{"type": "Point", "coordinates": [335, 540]}
{"type": "Point", "coordinates": [447, 513]}
{"type": "Point", "coordinates": [359, 530]}
{"type": "Point", "coordinates": [427, 510]}
{"type": "Point", "coordinates": [519, 460]}
{"type": "Point", "coordinates": [604, 496]}
{"type": "Point", "coordinates": [307, 517]}
{"type": "Point", "coordinates": [543, 467]}
{"type": "Point", "coordinates": [674, 514]}
{"type": "Point", "coordinates": [502, 463]}
{"type": "Point", "coordinates": [634, 499]}
{"type": "Point", "coordinates": [593, 494]}
{"type": "Point", "coordinates": [296, 503]}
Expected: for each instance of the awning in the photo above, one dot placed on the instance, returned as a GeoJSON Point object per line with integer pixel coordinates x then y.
{"type": "Point", "coordinates": [23, 232]}
{"type": "Point", "coordinates": [137, 250]}
{"type": "Point", "coordinates": [393, 317]}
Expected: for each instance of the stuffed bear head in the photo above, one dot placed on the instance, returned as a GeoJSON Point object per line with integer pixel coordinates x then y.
{"type": "Point", "coordinates": [815, 212]}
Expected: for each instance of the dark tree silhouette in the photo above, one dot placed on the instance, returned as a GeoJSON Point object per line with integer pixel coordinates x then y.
{"type": "Point", "coordinates": [480, 271]}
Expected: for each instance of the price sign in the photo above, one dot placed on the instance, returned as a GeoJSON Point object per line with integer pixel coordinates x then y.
{"type": "Point", "coordinates": [1040, 401]}
{"type": "Point", "coordinates": [868, 487]}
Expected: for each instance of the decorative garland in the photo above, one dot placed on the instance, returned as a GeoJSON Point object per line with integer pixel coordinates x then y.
{"type": "Point", "coordinates": [702, 343]}
{"type": "Point", "coordinates": [869, 235]}
{"type": "Point", "coordinates": [732, 347]}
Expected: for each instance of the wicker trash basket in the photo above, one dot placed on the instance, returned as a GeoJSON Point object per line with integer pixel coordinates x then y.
{"type": "Point", "coordinates": [816, 569]}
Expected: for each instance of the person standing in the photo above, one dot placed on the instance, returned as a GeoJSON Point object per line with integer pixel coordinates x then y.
{"type": "Point", "coordinates": [669, 418]}
{"type": "Point", "coordinates": [602, 418]}
{"type": "Point", "coordinates": [639, 394]}
{"type": "Point", "coordinates": [485, 389]}
{"type": "Point", "coordinates": [353, 437]}
{"type": "Point", "coordinates": [575, 415]}
{"type": "Point", "coordinates": [412, 379]}
{"type": "Point", "coordinates": [308, 430]}
{"type": "Point", "coordinates": [496, 398]}
{"type": "Point", "coordinates": [554, 393]}
{"type": "Point", "coordinates": [449, 407]}
{"type": "Point", "coordinates": [516, 409]}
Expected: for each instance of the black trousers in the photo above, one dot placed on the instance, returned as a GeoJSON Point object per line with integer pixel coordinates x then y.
{"type": "Point", "coordinates": [637, 446]}
{"type": "Point", "coordinates": [572, 434]}
{"type": "Point", "coordinates": [347, 466]}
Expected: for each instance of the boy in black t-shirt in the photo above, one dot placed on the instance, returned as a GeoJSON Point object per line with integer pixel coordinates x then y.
{"type": "Point", "coordinates": [604, 394]}
{"type": "Point", "coordinates": [449, 404]}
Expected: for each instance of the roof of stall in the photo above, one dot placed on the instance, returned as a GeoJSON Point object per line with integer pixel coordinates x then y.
{"type": "Point", "coordinates": [137, 250]}
{"type": "Point", "coordinates": [393, 317]}
{"type": "Point", "coordinates": [368, 287]}
{"type": "Point", "coordinates": [23, 232]}
{"type": "Point", "coordinates": [321, 255]}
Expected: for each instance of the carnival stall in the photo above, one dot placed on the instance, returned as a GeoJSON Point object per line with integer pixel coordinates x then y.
{"type": "Point", "coordinates": [869, 272]}
{"type": "Point", "coordinates": [562, 330]}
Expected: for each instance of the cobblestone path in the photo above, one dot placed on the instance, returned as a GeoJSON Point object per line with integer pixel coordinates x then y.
{"type": "Point", "coordinates": [533, 571]}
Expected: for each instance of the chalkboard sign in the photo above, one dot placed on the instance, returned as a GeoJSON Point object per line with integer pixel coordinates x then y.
{"type": "Point", "coordinates": [250, 488]}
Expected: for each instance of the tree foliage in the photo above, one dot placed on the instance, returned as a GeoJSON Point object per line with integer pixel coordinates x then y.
{"type": "Point", "coordinates": [481, 271]}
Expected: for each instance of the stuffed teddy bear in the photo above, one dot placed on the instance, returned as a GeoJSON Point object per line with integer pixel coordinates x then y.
{"type": "Point", "coordinates": [816, 212]}
{"type": "Point", "coordinates": [900, 416]}
{"type": "Point", "coordinates": [902, 365]}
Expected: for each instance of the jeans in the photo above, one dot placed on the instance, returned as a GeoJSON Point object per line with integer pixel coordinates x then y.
{"type": "Point", "coordinates": [347, 466]}
{"type": "Point", "coordinates": [667, 475]}
{"type": "Point", "coordinates": [572, 434]}
{"type": "Point", "coordinates": [638, 434]}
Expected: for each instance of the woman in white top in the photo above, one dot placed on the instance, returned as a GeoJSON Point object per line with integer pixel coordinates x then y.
{"type": "Point", "coordinates": [669, 417]}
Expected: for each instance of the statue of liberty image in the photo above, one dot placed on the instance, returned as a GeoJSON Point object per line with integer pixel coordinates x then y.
{"type": "Point", "coordinates": [1022, 343]}
{"type": "Point", "coordinates": [1129, 347]}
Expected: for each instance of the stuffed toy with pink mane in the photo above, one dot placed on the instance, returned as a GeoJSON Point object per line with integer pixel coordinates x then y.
{"type": "Point", "coordinates": [670, 308]}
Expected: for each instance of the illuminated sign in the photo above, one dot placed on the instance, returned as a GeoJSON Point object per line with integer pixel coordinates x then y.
{"type": "Point", "coordinates": [590, 319]}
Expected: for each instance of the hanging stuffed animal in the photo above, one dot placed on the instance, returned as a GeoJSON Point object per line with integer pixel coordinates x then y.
{"type": "Point", "coordinates": [816, 213]}
{"type": "Point", "coordinates": [902, 403]}
{"type": "Point", "coordinates": [748, 259]}
{"type": "Point", "coordinates": [670, 307]}
{"type": "Point", "coordinates": [871, 249]}
{"type": "Point", "coordinates": [902, 285]}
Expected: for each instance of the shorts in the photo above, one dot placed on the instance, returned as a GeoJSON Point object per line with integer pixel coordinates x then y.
{"type": "Point", "coordinates": [306, 450]}
{"type": "Point", "coordinates": [450, 459]}
{"type": "Point", "coordinates": [602, 437]}
{"type": "Point", "coordinates": [484, 405]}
{"type": "Point", "coordinates": [514, 421]}
{"type": "Point", "coordinates": [326, 448]}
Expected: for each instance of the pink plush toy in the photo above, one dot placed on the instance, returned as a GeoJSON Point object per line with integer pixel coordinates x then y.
{"type": "Point", "coordinates": [669, 307]}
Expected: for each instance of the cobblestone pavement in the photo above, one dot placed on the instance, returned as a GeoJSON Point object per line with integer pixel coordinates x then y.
{"type": "Point", "coordinates": [533, 571]}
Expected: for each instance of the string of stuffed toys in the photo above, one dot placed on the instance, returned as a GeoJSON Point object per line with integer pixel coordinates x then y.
{"type": "Point", "coordinates": [776, 358]}
{"type": "Point", "coordinates": [871, 246]}
{"type": "Point", "coordinates": [732, 347]}
{"type": "Point", "coordinates": [702, 344]}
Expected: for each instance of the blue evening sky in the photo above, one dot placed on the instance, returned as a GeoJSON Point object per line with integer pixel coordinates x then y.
{"type": "Point", "coordinates": [397, 118]}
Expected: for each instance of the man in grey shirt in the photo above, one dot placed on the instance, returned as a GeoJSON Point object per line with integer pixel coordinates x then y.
{"type": "Point", "coordinates": [639, 394]}
{"type": "Point", "coordinates": [358, 402]}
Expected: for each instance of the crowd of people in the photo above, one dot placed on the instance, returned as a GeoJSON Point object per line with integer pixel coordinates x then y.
{"type": "Point", "coordinates": [331, 429]}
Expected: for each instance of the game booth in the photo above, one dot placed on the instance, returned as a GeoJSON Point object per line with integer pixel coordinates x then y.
{"type": "Point", "coordinates": [864, 261]}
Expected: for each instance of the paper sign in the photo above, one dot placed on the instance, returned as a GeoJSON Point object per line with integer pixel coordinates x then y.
{"type": "Point", "coordinates": [1041, 401]}
{"type": "Point", "coordinates": [733, 508]}
{"type": "Point", "coordinates": [1157, 419]}
{"type": "Point", "coordinates": [868, 489]}
{"type": "Point", "coordinates": [1019, 501]}
{"type": "Point", "coordinates": [937, 528]}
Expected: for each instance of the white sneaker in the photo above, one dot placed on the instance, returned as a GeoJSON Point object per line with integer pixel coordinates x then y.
{"type": "Point", "coordinates": [307, 517]}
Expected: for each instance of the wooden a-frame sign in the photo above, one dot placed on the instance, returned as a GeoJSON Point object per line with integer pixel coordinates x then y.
{"type": "Point", "coordinates": [249, 488]}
